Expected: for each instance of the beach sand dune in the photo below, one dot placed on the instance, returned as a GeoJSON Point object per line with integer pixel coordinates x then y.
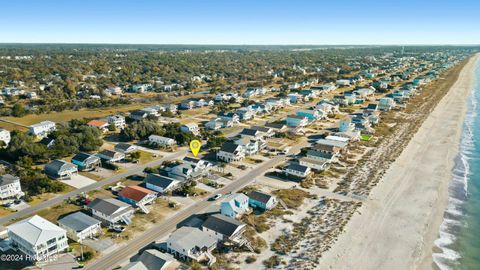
{"type": "Point", "coordinates": [396, 227]}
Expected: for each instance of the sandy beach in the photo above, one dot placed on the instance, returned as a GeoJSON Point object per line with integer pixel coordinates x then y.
{"type": "Point", "coordinates": [396, 227]}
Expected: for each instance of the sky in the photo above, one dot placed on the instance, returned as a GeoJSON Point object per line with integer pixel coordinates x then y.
{"type": "Point", "coordinates": [265, 22]}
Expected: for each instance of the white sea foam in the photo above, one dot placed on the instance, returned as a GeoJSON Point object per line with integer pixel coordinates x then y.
{"type": "Point", "coordinates": [458, 191]}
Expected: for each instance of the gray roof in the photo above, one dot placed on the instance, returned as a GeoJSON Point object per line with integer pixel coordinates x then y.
{"type": "Point", "coordinates": [297, 167]}
{"type": "Point", "coordinates": [332, 143]}
{"type": "Point", "coordinates": [56, 166]}
{"type": "Point", "coordinates": [107, 206]}
{"type": "Point", "coordinates": [249, 132]}
{"type": "Point", "coordinates": [82, 157]}
{"type": "Point", "coordinates": [159, 180]}
{"type": "Point", "coordinates": [78, 221]}
{"type": "Point", "coordinates": [229, 147]}
{"type": "Point", "coordinates": [7, 179]}
{"type": "Point", "coordinates": [36, 230]}
{"type": "Point", "coordinates": [153, 259]}
{"type": "Point", "coordinates": [222, 224]}
{"type": "Point", "coordinates": [259, 196]}
{"type": "Point", "coordinates": [189, 237]}
{"type": "Point", "coordinates": [123, 146]}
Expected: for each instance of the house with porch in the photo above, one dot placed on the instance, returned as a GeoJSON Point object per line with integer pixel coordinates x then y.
{"type": "Point", "coordinates": [234, 205]}
{"type": "Point", "coordinates": [138, 197]}
{"type": "Point", "coordinates": [60, 169]}
{"type": "Point", "coordinates": [160, 183]}
{"type": "Point", "coordinates": [260, 200]}
{"type": "Point", "coordinates": [192, 244]}
{"type": "Point", "coordinates": [86, 162]}
{"type": "Point", "coordinates": [111, 211]}
{"type": "Point", "coordinates": [231, 152]}
{"type": "Point", "coordinates": [80, 226]}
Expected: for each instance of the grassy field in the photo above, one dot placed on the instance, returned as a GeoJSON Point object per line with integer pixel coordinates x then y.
{"type": "Point", "coordinates": [65, 116]}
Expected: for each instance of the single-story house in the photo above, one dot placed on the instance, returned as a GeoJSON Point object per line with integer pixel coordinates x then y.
{"type": "Point", "coordinates": [80, 226]}
{"type": "Point", "coordinates": [161, 183]}
{"type": "Point", "coordinates": [125, 148]}
{"type": "Point", "coordinates": [60, 169]}
{"type": "Point", "coordinates": [111, 156]}
{"type": "Point", "coordinates": [102, 125]}
{"type": "Point", "coordinates": [160, 140]}
{"type": "Point", "coordinates": [261, 200]}
{"type": "Point", "coordinates": [314, 164]}
{"type": "Point", "coordinates": [297, 170]}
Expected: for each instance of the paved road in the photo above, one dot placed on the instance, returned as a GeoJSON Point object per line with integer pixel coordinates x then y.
{"type": "Point", "coordinates": [135, 170]}
{"type": "Point", "coordinates": [124, 252]}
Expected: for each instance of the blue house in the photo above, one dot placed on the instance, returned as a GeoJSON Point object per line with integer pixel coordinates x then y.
{"type": "Point", "coordinates": [261, 200]}
{"type": "Point", "coordinates": [297, 121]}
{"type": "Point", "coordinates": [312, 115]}
{"type": "Point", "coordinates": [86, 162]}
{"type": "Point", "coordinates": [234, 205]}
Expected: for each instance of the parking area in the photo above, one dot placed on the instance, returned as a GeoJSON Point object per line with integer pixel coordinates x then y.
{"type": "Point", "coordinates": [78, 181]}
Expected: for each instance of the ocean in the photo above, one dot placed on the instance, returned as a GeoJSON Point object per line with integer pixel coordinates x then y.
{"type": "Point", "coordinates": [459, 241]}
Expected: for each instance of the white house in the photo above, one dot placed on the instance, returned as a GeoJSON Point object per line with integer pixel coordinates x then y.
{"type": "Point", "coordinates": [111, 211]}
{"type": "Point", "coordinates": [42, 129]}
{"type": "Point", "coordinates": [117, 120]}
{"type": "Point", "coordinates": [297, 170]}
{"type": "Point", "coordinates": [189, 243]}
{"type": "Point", "coordinates": [80, 226]}
{"type": "Point", "coordinates": [5, 136]}
{"type": "Point", "coordinates": [160, 140]}
{"type": "Point", "coordinates": [10, 187]}
{"type": "Point", "coordinates": [38, 238]}
{"type": "Point", "coordinates": [190, 128]}
{"type": "Point", "coordinates": [234, 205]}
{"type": "Point", "coordinates": [231, 152]}
{"type": "Point", "coordinates": [161, 183]}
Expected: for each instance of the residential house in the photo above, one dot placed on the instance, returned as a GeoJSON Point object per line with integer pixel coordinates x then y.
{"type": "Point", "coordinates": [60, 169]}
{"type": "Point", "coordinates": [117, 120]}
{"type": "Point", "coordinates": [295, 98]}
{"type": "Point", "coordinates": [266, 132]}
{"type": "Point", "coordinates": [5, 136]}
{"type": "Point", "coordinates": [102, 125]}
{"type": "Point", "coordinates": [297, 121]}
{"type": "Point", "coordinates": [189, 243]}
{"type": "Point", "coordinates": [312, 115]}
{"type": "Point", "coordinates": [231, 152]}
{"type": "Point", "coordinates": [234, 205]}
{"type": "Point", "coordinates": [324, 88]}
{"type": "Point", "coordinates": [225, 229]}
{"type": "Point", "coordinates": [230, 116]}
{"type": "Point", "coordinates": [190, 128]}
{"type": "Point", "coordinates": [48, 142]}
{"type": "Point", "coordinates": [160, 140]}
{"type": "Point", "coordinates": [386, 104]}
{"type": "Point", "coordinates": [152, 259]}
{"type": "Point", "coordinates": [184, 171]}
{"type": "Point", "coordinates": [364, 92]}
{"type": "Point", "coordinates": [111, 156]}
{"type": "Point", "coordinates": [38, 238]}
{"type": "Point", "coordinates": [187, 104]}
{"type": "Point", "coordinates": [327, 107]}
{"type": "Point", "coordinates": [86, 162]}
{"type": "Point", "coordinates": [42, 129]}
{"type": "Point", "coordinates": [218, 123]}
{"type": "Point", "coordinates": [138, 196]}
{"type": "Point", "coordinates": [297, 170]}
{"type": "Point", "coordinates": [113, 90]}
{"type": "Point", "coordinates": [125, 148]}
{"type": "Point", "coordinates": [169, 108]}
{"type": "Point", "coordinates": [342, 82]}
{"type": "Point", "coordinates": [251, 146]}
{"type": "Point", "coordinates": [111, 211]}
{"type": "Point", "coordinates": [198, 164]}
{"type": "Point", "coordinates": [346, 125]}
{"type": "Point", "coordinates": [260, 200]}
{"type": "Point", "coordinates": [138, 115]}
{"type": "Point", "coordinates": [338, 144]}
{"type": "Point", "coordinates": [10, 187]}
{"type": "Point", "coordinates": [313, 163]}
{"type": "Point", "coordinates": [245, 114]}
{"type": "Point", "coordinates": [80, 226]}
{"type": "Point", "coordinates": [161, 183]}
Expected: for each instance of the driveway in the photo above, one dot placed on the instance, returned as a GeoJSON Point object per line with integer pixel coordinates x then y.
{"type": "Point", "coordinates": [78, 181]}
{"type": "Point", "coordinates": [62, 262]}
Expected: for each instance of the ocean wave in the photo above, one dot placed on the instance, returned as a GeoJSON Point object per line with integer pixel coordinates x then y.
{"type": "Point", "coordinates": [458, 191]}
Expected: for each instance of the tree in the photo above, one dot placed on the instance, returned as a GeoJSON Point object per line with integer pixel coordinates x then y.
{"type": "Point", "coordinates": [135, 155]}
{"type": "Point", "coordinates": [112, 127]}
{"type": "Point", "coordinates": [18, 110]}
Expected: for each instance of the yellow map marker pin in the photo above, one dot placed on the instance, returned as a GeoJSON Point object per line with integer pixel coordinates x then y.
{"type": "Point", "coordinates": [195, 147]}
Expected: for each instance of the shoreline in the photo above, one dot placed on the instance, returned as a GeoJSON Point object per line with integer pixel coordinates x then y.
{"type": "Point", "coordinates": [396, 227]}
